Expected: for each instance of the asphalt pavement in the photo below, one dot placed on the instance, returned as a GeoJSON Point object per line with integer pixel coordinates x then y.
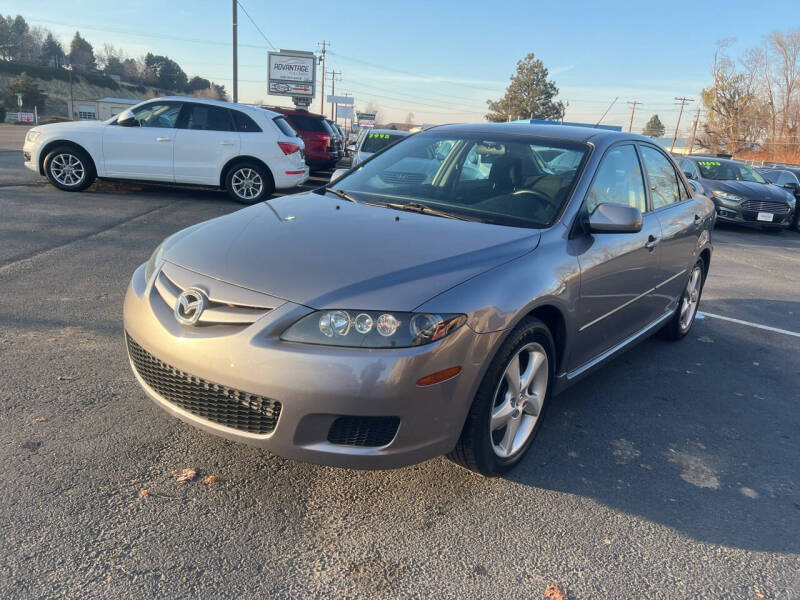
{"type": "Point", "coordinates": [674, 472]}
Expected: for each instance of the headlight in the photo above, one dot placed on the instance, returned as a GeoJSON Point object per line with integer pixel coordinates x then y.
{"type": "Point", "coordinates": [32, 135]}
{"type": "Point", "coordinates": [372, 329]}
{"type": "Point", "coordinates": [155, 262]}
{"type": "Point", "coordinates": [727, 196]}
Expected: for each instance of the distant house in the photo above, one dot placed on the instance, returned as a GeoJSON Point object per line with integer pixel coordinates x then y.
{"type": "Point", "coordinates": [102, 109]}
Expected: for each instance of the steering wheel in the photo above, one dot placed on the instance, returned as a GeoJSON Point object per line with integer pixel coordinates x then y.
{"type": "Point", "coordinates": [539, 196]}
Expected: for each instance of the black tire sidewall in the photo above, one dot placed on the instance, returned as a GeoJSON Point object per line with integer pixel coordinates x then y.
{"type": "Point", "coordinates": [88, 168]}
{"type": "Point", "coordinates": [266, 177]}
{"type": "Point", "coordinates": [531, 330]}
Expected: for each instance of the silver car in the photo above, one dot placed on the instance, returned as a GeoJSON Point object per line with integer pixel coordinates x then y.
{"type": "Point", "coordinates": [374, 140]}
{"type": "Point", "coordinates": [431, 301]}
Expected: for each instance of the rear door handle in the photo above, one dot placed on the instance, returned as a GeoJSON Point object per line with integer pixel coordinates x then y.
{"type": "Point", "coordinates": [163, 139]}
{"type": "Point", "coordinates": [226, 143]}
{"type": "Point", "coordinates": [652, 242]}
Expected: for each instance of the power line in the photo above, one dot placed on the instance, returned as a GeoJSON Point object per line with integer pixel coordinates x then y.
{"type": "Point", "coordinates": [271, 45]}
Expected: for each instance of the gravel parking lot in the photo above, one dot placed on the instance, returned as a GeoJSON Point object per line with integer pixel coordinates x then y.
{"type": "Point", "coordinates": [672, 473]}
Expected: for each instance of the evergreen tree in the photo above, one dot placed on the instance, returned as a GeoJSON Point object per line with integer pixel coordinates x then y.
{"type": "Point", "coordinates": [81, 54]}
{"type": "Point", "coordinates": [654, 127]}
{"type": "Point", "coordinates": [529, 95]}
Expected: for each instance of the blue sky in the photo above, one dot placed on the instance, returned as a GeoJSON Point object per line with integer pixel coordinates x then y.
{"type": "Point", "coordinates": [441, 60]}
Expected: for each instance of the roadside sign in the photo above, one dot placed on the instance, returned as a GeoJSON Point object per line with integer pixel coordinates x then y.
{"type": "Point", "coordinates": [366, 119]}
{"type": "Point", "coordinates": [344, 112]}
{"type": "Point", "coordinates": [291, 73]}
{"type": "Point", "coordinates": [345, 100]}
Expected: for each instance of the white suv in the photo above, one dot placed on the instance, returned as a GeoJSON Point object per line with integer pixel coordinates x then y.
{"type": "Point", "coordinates": [245, 150]}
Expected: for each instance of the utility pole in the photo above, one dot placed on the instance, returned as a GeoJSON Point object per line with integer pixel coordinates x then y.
{"type": "Point", "coordinates": [235, 53]}
{"type": "Point", "coordinates": [683, 101]}
{"type": "Point", "coordinates": [71, 99]}
{"type": "Point", "coordinates": [633, 110]}
{"type": "Point", "coordinates": [334, 75]}
{"type": "Point", "coordinates": [322, 95]}
{"type": "Point", "coordinates": [694, 129]}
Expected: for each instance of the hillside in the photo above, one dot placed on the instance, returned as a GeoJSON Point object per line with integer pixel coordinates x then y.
{"type": "Point", "coordinates": [55, 83]}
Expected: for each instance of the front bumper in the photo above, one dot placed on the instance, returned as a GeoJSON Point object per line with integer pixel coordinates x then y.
{"type": "Point", "coordinates": [316, 384]}
{"type": "Point", "coordinates": [735, 215]}
{"type": "Point", "coordinates": [30, 156]}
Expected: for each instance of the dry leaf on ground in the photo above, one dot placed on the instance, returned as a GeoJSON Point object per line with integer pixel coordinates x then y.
{"type": "Point", "coordinates": [144, 493]}
{"type": "Point", "coordinates": [184, 475]}
{"type": "Point", "coordinates": [209, 479]}
{"type": "Point", "coordinates": [555, 592]}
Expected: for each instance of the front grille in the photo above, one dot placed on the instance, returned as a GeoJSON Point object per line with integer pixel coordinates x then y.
{"type": "Point", "coordinates": [217, 403]}
{"type": "Point", "coordinates": [765, 206]}
{"type": "Point", "coordinates": [363, 431]}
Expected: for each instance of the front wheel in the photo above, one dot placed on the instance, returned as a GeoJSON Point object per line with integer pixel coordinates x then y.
{"type": "Point", "coordinates": [249, 182]}
{"type": "Point", "coordinates": [508, 409]}
{"type": "Point", "coordinates": [69, 169]}
{"type": "Point", "coordinates": [686, 311]}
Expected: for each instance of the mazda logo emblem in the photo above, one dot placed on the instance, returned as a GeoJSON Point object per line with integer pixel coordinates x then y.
{"type": "Point", "coordinates": [189, 306]}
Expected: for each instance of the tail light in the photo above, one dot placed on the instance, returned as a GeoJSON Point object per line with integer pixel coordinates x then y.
{"type": "Point", "coordinates": [289, 147]}
{"type": "Point", "coordinates": [327, 143]}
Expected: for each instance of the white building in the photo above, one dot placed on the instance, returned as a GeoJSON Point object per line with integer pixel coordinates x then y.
{"type": "Point", "coordinates": [102, 109]}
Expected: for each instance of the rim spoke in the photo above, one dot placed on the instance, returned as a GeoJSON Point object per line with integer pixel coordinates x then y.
{"type": "Point", "coordinates": [501, 415]}
{"type": "Point", "coordinates": [507, 444]}
{"type": "Point", "coordinates": [535, 360]}
{"type": "Point", "coordinates": [512, 376]}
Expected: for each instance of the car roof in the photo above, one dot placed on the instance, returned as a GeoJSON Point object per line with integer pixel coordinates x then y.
{"type": "Point", "coordinates": [223, 103]}
{"type": "Point", "coordinates": [555, 131]}
{"type": "Point", "coordinates": [288, 110]}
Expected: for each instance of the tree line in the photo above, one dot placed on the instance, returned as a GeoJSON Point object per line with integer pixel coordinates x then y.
{"type": "Point", "coordinates": [38, 46]}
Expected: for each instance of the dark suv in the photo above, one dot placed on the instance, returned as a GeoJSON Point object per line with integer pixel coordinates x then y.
{"type": "Point", "coordinates": [322, 149]}
{"type": "Point", "coordinates": [740, 193]}
{"type": "Point", "coordinates": [789, 179]}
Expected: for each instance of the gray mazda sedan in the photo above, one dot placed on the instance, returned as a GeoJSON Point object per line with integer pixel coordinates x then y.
{"type": "Point", "coordinates": [430, 301]}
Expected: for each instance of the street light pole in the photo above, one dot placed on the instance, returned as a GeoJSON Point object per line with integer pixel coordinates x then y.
{"type": "Point", "coordinates": [235, 54]}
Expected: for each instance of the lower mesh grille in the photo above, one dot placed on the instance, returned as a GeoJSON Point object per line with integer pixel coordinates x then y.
{"type": "Point", "coordinates": [217, 403]}
{"type": "Point", "coordinates": [363, 431]}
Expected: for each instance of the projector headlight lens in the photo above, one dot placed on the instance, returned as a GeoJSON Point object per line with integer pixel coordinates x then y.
{"type": "Point", "coordinates": [372, 329]}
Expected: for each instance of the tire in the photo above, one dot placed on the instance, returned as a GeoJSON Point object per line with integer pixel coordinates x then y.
{"type": "Point", "coordinates": [249, 182]}
{"type": "Point", "coordinates": [678, 327]}
{"type": "Point", "coordinates": [69, 168]}
{"type": "Point", "coordinates": [481, 447]}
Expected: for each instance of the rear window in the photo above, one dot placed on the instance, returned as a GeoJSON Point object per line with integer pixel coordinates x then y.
{"type": "Point", "coordinates": [244, 123]}
{"type": "Point", "coordinates": [305, 123]}
{"type": "Point", "coordinates": [379, 141]}
{"type": "Point", "coordinates": [284, 126]}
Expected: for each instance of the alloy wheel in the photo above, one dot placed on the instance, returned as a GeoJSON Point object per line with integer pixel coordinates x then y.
{"type": "Point", "coordinates": [691, 298]}
{"type": "Point", "coordinates": [67, 169]}
{"type": "Point", "coordinates": [518, 400]}
{"type": "Point", "coordinates": [247, 183]}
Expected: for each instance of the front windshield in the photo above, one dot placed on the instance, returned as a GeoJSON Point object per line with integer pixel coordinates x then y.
{"type": "Point", "coordinates": [500, 179]}
{"type": "Point", "coordinates": [728, 170]}
{"type": "Point", "coordinates": [378, 141]}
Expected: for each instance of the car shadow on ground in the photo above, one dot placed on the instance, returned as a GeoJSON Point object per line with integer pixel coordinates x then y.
{"type": "Point", "coordinates": [699, 436]}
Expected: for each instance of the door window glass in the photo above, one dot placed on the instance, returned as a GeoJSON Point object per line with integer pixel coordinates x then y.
{"type": "Point", "coordinates": [284, 126]}
{"type": "Point", "coordinates": [618, 181]}
{"type": "Point", "coordinates": [663, 179]}
{"type": "Point", "coordinates": [157, 114]}
{"type": "Point", "coordinates": [244, 123]}
{"type": "Point", "coordinates": [209, 118]}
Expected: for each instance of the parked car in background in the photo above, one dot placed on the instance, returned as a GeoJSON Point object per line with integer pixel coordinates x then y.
{"type": "Point", "coordinates": [245, 150]}
{"type": "Point", "coordinates": [322, 150]}
{"type": "Point", "coordinates": [437, 313]}
{"type": "Point", "coordinates": [741, 194]}
{"type": "Point", "coordinates": [338, 137]}
{"type": "Point", "coordinates": [787, 178]}
{"type": "Point", "coordinates": [373, 141]}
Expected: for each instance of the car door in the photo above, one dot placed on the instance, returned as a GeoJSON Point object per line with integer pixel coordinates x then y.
{"type": "Point", "coordinates": [618, 270]}
{"type": "Point", "coordinates": [206, 139]}
{"type": "Point", "coordinates": [139, 144]}
{"type": "Point", "coordinates": [681, 220]}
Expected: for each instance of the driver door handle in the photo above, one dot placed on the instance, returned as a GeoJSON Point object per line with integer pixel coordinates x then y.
{"type": "Point", "coordinates": [226, 143]}
{"type": "Point", "coordinates": [652, 242]}
{"type": "Point", "coordinates": [162, 139]}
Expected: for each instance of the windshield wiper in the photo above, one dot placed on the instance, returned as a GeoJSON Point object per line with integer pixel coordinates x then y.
{"type": "Point", "coordinates": [340, 193]}
{"type": "Point", "coordinates": [418, 207]}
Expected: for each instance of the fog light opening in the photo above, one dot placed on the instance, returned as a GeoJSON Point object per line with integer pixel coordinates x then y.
{"type": "Point", "coordinates": [439, 376]}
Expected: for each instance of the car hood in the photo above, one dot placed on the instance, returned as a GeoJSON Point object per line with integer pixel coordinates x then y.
{"type": "Point", "coordinates": [69, 127]}
{"type": "Point", "coordinates": [325, 252]}
{"type": "Point", "coordinates": [750, 190]}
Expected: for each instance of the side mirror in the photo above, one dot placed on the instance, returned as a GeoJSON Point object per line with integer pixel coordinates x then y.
{"type": "Point", "coordinates": [614, 218]}
{"type": "Point", "coordinates": [688, 175]}
{"type": "Point", "coordinates": [790, 186]}
{"type": "Point", "coordinates": [337, 174]}
{"type": "Point", "coordinates": [128, 121]}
